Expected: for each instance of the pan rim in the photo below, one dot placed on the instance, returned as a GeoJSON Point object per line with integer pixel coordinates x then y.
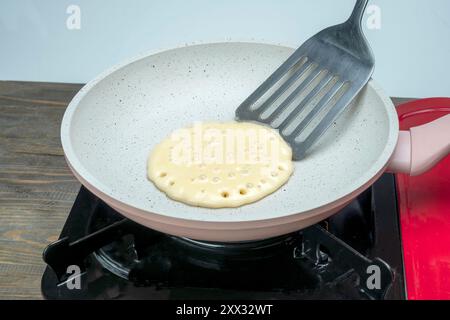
{"type": "Point", "coordinates": [102, 190]}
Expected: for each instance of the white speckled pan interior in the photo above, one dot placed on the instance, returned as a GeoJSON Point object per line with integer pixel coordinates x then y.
{"type": "Point", "coordinates": [113, 123]}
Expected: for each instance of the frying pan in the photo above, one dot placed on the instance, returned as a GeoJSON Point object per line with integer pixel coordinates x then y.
{"type": "Point", "coordinates": [113, 123]}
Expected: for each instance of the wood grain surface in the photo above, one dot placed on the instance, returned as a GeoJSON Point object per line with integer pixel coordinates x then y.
{"type": "Point", "coordinates": [37, 189]}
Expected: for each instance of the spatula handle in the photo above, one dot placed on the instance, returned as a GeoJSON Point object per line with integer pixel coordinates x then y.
{"type": "Point", "coordinates": [358, 13]}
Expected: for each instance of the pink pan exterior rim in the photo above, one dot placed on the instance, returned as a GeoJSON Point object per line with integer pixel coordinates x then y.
{"type": "Point", "coordinates": [227, 231]}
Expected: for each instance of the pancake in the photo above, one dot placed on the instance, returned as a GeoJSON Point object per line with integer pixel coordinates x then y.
{"type": "Point", "coordinates": [220, 165]}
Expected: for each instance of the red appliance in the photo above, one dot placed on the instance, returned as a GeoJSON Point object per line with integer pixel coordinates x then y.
{"type": "Point", "coordinates": [424, 206]}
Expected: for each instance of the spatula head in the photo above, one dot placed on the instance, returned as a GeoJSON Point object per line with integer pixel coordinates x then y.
{"type": "Point", "coordinates": [308, 92]}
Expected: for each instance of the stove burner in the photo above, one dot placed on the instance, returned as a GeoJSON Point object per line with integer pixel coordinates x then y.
{"type": "Point", "coordinates": [312, 263]}
{"type": "Point", "coordinates": [236, 247]}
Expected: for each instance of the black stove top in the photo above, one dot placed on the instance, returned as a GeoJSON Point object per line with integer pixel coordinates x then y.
{"type": "Point", "coordinates": [356, 254]}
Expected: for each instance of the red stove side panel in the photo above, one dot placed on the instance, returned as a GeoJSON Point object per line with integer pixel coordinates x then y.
{"type": "Point", "coordinates": [424, 205]}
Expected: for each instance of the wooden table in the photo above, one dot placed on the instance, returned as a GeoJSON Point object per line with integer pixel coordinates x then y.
{"type": "Point", "coordinates": [37, 189]}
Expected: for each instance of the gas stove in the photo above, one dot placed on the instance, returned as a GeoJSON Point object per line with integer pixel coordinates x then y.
{"type": "Point", "coordinates": [356, 254]}
{"type": "Point", "coordinates": [393, 234]}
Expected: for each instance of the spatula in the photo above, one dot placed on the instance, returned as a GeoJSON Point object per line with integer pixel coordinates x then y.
{"type": "Point", "coordinates": [306, 95]}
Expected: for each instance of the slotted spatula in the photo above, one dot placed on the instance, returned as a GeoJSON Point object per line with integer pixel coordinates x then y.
{"type": "Point", "coordinates": [324, 75]}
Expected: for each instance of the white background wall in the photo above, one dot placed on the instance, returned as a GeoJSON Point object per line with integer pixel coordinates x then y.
{"type": "Point", "coordinates": [412, 48]}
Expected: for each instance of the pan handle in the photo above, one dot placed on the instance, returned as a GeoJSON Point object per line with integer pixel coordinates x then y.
{"type": "Point", "coordinates": [421, 148]}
